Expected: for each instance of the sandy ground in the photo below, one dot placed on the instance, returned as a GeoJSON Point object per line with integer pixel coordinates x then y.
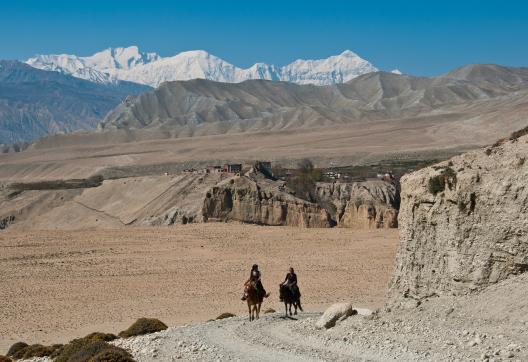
{"type": "Point", "coordinates": [57, 285]}
{"type": "Point", "coordinates": [81, 155]}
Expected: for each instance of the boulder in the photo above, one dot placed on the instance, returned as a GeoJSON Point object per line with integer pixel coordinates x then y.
{"type": "Point", "coordinates": [463, 222]}
{"type": "Point", "coordinates": [336, 312]}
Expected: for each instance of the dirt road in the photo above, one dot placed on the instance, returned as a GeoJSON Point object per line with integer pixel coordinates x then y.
{"type": "Point", "coordinates": [56, 285]}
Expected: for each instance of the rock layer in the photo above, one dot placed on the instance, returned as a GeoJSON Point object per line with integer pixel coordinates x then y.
{"type": "Point", "coordinates": [464, 222]}
{"type": "Point", "coordinates": [255, 199]}
{"type": "Point", "coordinates": [361, 205]}
{"type": "Point", "coordinates": [263, 202]}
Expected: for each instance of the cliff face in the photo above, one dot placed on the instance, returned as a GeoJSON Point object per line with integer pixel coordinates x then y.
{"type": "Point", "coordinates": [261, 201]}
{"type": "Point", "coordinates": [256, 199]}
{"type": "Point", "coordinates": [361, 205]}
{"type": "Point", "coordinates": [464, 222]}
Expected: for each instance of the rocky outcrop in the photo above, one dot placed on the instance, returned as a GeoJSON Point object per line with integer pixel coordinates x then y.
{"type": "Point", "coordinates": [255, 199]}
{"type": "Point", "coordinates": [360, 205]}
{"type": "Point", "coordinates": [335, 313]}
{"type": "Point", "coordinates": [464, 222]}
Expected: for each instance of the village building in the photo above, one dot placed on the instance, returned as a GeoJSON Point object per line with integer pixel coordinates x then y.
{"type": "Point", "coordinates": [233, 168]}
{"type": "Point", "coordinates": [214, 169]}
{"type": "Point", "coordinates": [263, 166]}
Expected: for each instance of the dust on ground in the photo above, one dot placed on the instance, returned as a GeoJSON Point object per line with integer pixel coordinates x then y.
{"type": "Point", "coordinates": [57, 285]}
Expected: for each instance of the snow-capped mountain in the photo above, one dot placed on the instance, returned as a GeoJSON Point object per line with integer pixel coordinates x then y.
{"type": "Point", "coordinates": [102, 67]}
{"type": "Point", "coordinates": [149, 68]}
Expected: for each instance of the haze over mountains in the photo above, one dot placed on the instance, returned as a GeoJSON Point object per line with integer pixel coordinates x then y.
{"type": "Point", "coordinates": [35, 103]}
{"type": "Point", "coordinates": [131, 64]}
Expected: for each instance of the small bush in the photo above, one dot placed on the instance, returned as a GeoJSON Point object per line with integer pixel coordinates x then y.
{"type": "Point", "coordinates": [83, 351]}
{"type": "Point", "coordinates": [99, 336]}
{"type": "Point", "coordinates": [86, 350]}
{"type": "Point", "coordinates": [225, 315]}
{"type": "Point", "coordinates": [5, 359]}
{"type": "Point", "coordinates": [522, 132]}
{"type": "Point", "coordinates": [143, 326]}
{"type": "Point", "coordinates": [16, 347]}
{"type": "Point", "coordinates": [75, 346]}
{"type": "Point", "coordinates": [270, 310]}
{"type": "Point", "coordinates": [36, 350]}
{"type": "Point", "coordinates": [438, 183]}
{"type": "Point", "coordinates": [114, 354]}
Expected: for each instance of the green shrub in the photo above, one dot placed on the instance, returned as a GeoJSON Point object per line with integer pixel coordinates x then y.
{"type": "Point", "coordinates": [86, 350]}
{"type": "Point", "coordinates": [225, 315]}
{"type": "Point", "coordinates": [522, 132]}
{"type": "Point", "coordinates": [5, 359]}
{"type": "Point", "coordinates": [438, 183]}
{"type": "Point", "coordinates": [36, 350]}
{"type": "Point", "coordinates": [16, 347]}
{"type": "Point", "coordinates": [303, 182]}
{"type": "Point", "coordinates": [114, 354]}
{"type": "Point", "coordinates": [143, 326]}
{"type": "Point", "coordinates": [83, 351]}
{"type": "Point", "coordinates": [99, 336]}
{"type": "Point", "coordinates": [79, 344]}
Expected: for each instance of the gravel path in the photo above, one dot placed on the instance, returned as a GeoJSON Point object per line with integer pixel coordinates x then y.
{"type": "Point", "coordinates": [489, 326]}
{"type": "Point", "coordinates": [272, 338]}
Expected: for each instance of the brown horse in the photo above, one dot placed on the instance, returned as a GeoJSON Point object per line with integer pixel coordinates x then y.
{"type": "Point", "coordinates": [254, 300]}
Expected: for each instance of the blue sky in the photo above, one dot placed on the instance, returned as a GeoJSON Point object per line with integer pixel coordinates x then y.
{"type": "Point", "coordinates": [417, 37]}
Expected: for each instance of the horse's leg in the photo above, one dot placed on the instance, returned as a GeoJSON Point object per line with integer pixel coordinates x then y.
{"type": "Point", "coordinates": [249, 310]}
{"type": "Point", "coordinates": [258, 310]}
{"type": "Point", "coordinates": [295, 306]}
{"type": "Point", "coordinates": [286, 308]}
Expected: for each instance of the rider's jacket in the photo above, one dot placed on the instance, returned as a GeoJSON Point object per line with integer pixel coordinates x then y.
{"type": "Point", "coordinates": [255, 275]}
{"type": "Point", "coordinates": [291, 278]}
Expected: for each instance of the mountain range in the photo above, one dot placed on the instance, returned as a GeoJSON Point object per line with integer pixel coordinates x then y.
{"type": "Point", "coordinates": [130, 64]}
{"type": "Point", "coordinates": [203, 107]}
{"type": "Point", "coordinates": [35, 103]}
{"type": "Point", "coordinates": [63, 93]}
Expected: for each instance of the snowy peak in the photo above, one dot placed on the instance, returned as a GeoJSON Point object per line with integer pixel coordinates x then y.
{"type": "Point", "coordinates": [99, 68]}
{"type": "Point", "coordinates": [120, 58]}
{"type": "Point", "coordinates": [113, 64]}
{"type": "Point", "coordinates": [335, 69]}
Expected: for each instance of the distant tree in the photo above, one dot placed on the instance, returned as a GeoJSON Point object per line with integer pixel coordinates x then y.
{"type": "Point", "coordinates": [304, 182]}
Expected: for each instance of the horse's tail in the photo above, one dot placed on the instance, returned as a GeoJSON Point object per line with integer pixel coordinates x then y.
{"type": "Point", "coordinates": [299, 305]}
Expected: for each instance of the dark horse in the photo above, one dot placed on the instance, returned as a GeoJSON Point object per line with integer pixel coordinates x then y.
{"type": "Point", "coordinates": [290, 298]}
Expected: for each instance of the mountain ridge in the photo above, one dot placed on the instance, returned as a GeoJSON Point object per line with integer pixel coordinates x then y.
{"type": "Point", "coordinates": [35, 103]}
{"type": "Point", "coordinates": [205, 107]}
{"type": "Point", "coordinates": [131, 64]}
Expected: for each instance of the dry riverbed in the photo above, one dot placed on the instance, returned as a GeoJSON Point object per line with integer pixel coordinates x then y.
{"type": "Point", "coordinates": [56, 285]}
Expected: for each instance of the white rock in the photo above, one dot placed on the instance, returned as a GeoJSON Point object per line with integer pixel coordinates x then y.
{"type": "Point", "coordinates": [336, 312]}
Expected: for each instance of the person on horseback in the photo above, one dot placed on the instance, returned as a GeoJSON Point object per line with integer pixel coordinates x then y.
{"type": "Point", "coordinates": [255, 277]}
{"type": "Point", "coordinates": [291, 282]}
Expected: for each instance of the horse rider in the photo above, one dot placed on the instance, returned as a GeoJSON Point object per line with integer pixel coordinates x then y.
{"type": "Point", "coordinates": [255, 277]}
{"type": "Point", "coordinates": [291, 282]}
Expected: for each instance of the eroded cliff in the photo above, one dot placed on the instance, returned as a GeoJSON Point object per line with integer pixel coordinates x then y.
{"type": "Point", "coordinates": [464, 222]}
{"type": "Point", "coordinates": [254, 198]}
{"type": "Point", "coordinates": [361, 205]}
